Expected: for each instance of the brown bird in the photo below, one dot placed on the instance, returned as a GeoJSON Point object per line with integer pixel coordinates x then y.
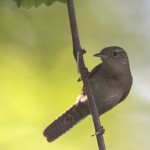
{"type": "Point", "coordinates": [110, 81]}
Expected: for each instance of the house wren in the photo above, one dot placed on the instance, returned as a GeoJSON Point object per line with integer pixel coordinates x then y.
{"type": "Point", "coordinates": [110, 81]}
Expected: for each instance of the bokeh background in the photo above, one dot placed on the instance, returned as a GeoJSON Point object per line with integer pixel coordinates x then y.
{"type": "Point", "coordinates": [38, 73]}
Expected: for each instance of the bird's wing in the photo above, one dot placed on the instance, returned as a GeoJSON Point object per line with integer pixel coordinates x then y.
{"type": "Point", "coordinates": [93, 71]}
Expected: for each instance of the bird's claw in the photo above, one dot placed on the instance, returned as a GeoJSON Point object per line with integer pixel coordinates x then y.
{"type": "Point", "coordinates": [83, 51]}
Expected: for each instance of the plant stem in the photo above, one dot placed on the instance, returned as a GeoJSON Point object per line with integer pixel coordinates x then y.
{"type": "Point", "coordinates": [78, 54]}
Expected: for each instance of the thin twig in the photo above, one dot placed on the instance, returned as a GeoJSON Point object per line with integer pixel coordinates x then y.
{"type": "Point", "coordinates": [77, 51]}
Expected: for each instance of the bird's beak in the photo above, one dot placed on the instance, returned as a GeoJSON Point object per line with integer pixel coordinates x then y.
{"type": "Point", "coordinates": [100, 55]}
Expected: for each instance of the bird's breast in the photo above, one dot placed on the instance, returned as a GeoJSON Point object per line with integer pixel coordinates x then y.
{"type": "Point", "coordinates": [107, 92]}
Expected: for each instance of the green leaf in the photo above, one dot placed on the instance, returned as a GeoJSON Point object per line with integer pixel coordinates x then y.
{"type": "Point", "coordinates": [35, 3]}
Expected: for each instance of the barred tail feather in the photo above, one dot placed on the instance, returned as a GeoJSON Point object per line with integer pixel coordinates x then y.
{"type": "Point", "coordinates": [66, 121]}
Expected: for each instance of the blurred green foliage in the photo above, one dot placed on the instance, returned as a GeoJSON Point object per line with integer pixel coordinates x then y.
{"type": "Point", "coordinates": [38, 76]}
{"type": "Point", "coordinates": [30, 3]}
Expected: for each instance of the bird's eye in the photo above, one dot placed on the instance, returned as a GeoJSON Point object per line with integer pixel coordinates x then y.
{"type": "Point", "coordinates": [115, 53]}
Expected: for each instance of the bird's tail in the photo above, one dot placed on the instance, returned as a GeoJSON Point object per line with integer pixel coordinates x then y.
{"type": "Point", "coordinates": [66, 121]}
